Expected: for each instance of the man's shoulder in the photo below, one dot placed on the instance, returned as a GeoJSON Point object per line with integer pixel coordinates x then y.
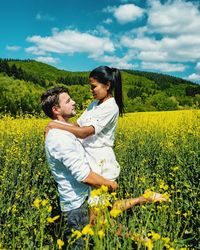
{"type": "Point", "coordinates": [58, 135]}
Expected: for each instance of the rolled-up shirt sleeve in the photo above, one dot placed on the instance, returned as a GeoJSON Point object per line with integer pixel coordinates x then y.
{"type": "Point", "coordinates": [70, 153]}
{"type": "Point", "coordinates": [100, 120]}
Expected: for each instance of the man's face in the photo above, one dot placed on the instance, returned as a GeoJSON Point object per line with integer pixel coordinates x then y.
{"type": "Point", "coordinates": [66, 108]}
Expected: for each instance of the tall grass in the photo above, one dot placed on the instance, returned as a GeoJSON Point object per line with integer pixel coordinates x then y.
{"type": "Point", "coordinates": [158, 151]}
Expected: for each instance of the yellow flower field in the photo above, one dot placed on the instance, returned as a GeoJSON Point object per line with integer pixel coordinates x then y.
{"type": "Point", "coordinates": [157, 151]}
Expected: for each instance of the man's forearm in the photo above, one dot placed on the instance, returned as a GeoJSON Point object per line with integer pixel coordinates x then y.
{"type": "Point", "coordinates": [96, 180]}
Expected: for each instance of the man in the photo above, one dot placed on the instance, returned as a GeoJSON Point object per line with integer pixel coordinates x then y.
{"type": "Point", "coordinates": [66, 158]}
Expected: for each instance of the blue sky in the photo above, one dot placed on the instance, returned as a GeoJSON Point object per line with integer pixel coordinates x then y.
{"type": "Point", "coordinates": [76, 35]}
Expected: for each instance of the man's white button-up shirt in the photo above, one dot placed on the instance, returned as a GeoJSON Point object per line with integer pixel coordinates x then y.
{"type": "Point", "coordinates": [66, 158]}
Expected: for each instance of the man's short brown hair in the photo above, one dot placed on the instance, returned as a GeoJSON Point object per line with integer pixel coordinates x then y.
{"type": "Point", "coordinates": [50, 98]}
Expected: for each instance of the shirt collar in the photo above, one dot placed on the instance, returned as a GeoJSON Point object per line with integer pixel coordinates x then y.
{"type": "Point", "coordinates": [65, 123]}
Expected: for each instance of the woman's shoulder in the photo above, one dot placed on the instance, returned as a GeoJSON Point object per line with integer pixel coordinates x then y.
{"type": "Point", "coordinates": [92, 105]}
{"type": "Point", "coordinates": [110, 105]}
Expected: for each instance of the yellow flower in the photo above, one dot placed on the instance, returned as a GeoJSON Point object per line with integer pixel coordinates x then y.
{"type": "Point", "coordinates": [88, 230]}
{"type": "Point", "coordinates": [105, 222]}
{"type": "Point", "coordinates": [176, 168]}
{"type": "Point", "coordinates": [107, 203]}
{"type": "Point", "coordinates": [101, 234]}
{"type": "Point", "coordinates": [49, 209]}
{"type": "Point", "coordinates": [114, 195]}
{"type": "Point", "coordinates": [143, 179]}
{"type": "Point", "coordinates": [166, 241]}
{"type": "Point", "coordinates": [104, 188]}
{"type": "Point", "coordinates": [51, 220]}
{"type": "Point", "coordinates": [44, 203]}
{"type": "Point", "coordinates": [95, 192]}
{"type": "Point", "coordinates": [136, 237]}
{"type": "Point", "coordinates": [36, 203]}
{"type": "Point", "coordinates": [96, 209]}
{"type": "Point", "coordinates": [147, 194]}
{"type": "Point", "coordinates": [155, 236]}
{"type": "Point", "coordinates": [14, 209]}
{"type": "Point", "coordinates": [60, 243]}
{"type": "Point", "coordinates": [75, 233]}
{"type": "Point", "coordinates": [115, 212]}
{"type": "Point", "coordinates": [149, 244]}
{"type": "Point", "coordinates": [163, 185]}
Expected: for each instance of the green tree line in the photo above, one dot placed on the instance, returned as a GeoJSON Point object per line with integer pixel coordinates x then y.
{"type": "Point", "coordinates": [23, 81]}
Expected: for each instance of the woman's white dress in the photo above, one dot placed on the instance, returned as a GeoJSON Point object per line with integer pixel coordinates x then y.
{"type": "Point", "coordinates": [98, 147]}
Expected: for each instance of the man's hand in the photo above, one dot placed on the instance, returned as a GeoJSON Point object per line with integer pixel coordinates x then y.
{"type": "Point", "coordinates": [114, 185]}
{"type": "Point", "coordinates": [96, 180]}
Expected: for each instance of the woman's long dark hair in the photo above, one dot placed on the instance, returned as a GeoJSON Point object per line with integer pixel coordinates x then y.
{"type": "Point", "coordinates": [105, 75]}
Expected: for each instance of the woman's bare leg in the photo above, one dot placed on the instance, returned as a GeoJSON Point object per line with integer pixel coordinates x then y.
{"type": "Point", "coordinates": [129, 203]}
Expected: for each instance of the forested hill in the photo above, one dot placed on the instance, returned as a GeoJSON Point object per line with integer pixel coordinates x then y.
{"type": "Point", "coordinates": [23, 81]}
{"type": "Point", "coordinates": [162, 80]}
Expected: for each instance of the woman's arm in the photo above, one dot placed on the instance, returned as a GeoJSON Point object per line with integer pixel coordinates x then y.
{"type": "Point", "coordinates": [80, 132]}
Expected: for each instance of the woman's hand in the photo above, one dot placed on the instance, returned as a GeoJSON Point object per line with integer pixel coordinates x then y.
{"type": "Point", "coordinates": [49, 126]}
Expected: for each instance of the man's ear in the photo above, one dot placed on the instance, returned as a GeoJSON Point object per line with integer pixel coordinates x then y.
{"type": "Point", "coordinates": [56, 110]}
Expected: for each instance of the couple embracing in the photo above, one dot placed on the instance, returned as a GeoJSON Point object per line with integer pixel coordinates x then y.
{"type": "Point", "coordinates": [80, 154]}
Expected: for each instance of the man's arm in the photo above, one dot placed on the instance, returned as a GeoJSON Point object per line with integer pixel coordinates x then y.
{"type": "Point", "coordinates": [63, 147]}
{"type": "Point", "coordinates": [96, 180]}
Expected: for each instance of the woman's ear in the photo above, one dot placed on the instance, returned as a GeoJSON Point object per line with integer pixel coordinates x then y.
{"type": "Point", "coordinates": [108, 85]}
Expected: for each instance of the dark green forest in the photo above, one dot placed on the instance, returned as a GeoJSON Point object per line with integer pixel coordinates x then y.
{"type": "Point", "coordinates": [23, 81]}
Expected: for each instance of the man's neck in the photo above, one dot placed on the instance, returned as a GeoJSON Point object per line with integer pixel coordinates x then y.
{"type": "Point", "coordinates": [61, 119]}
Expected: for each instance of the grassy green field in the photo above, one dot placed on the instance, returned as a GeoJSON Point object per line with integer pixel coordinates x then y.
{"type": "Point", "coordinates": [157, 150]}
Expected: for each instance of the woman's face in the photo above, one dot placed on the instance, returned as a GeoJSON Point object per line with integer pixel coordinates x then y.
{"type": "Point", "coordinates": [99, 91]}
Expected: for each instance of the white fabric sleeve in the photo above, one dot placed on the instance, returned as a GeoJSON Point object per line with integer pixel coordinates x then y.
{"type": "Point", "coordinates": [80, 121]}
{"type": "Point", "coordinates": [104, 119]}
{"type": "Point", "coordinates": [65, 151]}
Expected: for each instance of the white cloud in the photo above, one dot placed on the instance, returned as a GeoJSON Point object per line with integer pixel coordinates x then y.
{"type": "Point", "coordinates": [109, 9]}
{"type": "Point", "coordinates": [35, 51]}
{"type": "Point", "coordinates": [48, 59]}
{"type": "Point", "coordinates": [70, 42]}
{"type": "Point", "coordinates": [44, 17]}
{"type": "Point", "coordinates": [167, 41]}
{"type": "Point", "coordinates": [108, 21]}
{"type": "Point", "coordinates": [143, 43]}
{"type": "Point", "coordinates": [103, 31]}
{"type": "Point", "coordinates": [164, 67]}
{"type": "Point", "coordinates": [117, 62]}
{"type": "Point", "coordinates": [198, 66]}
{"type": "Point", "coordinates": [169, 38]}
{"type": "Point", "coordinates": [194, 77]}
{"type": "Point", "coordinates": [152, 56]}
{"type": "Point", "coordinates": [13, 48]}
{"type": "Point", "coordinates": [173, 17]}
{"type": "Point", "coordinates": [183, 48]}
{"type": "Point", "coordinates": [127, 13]}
